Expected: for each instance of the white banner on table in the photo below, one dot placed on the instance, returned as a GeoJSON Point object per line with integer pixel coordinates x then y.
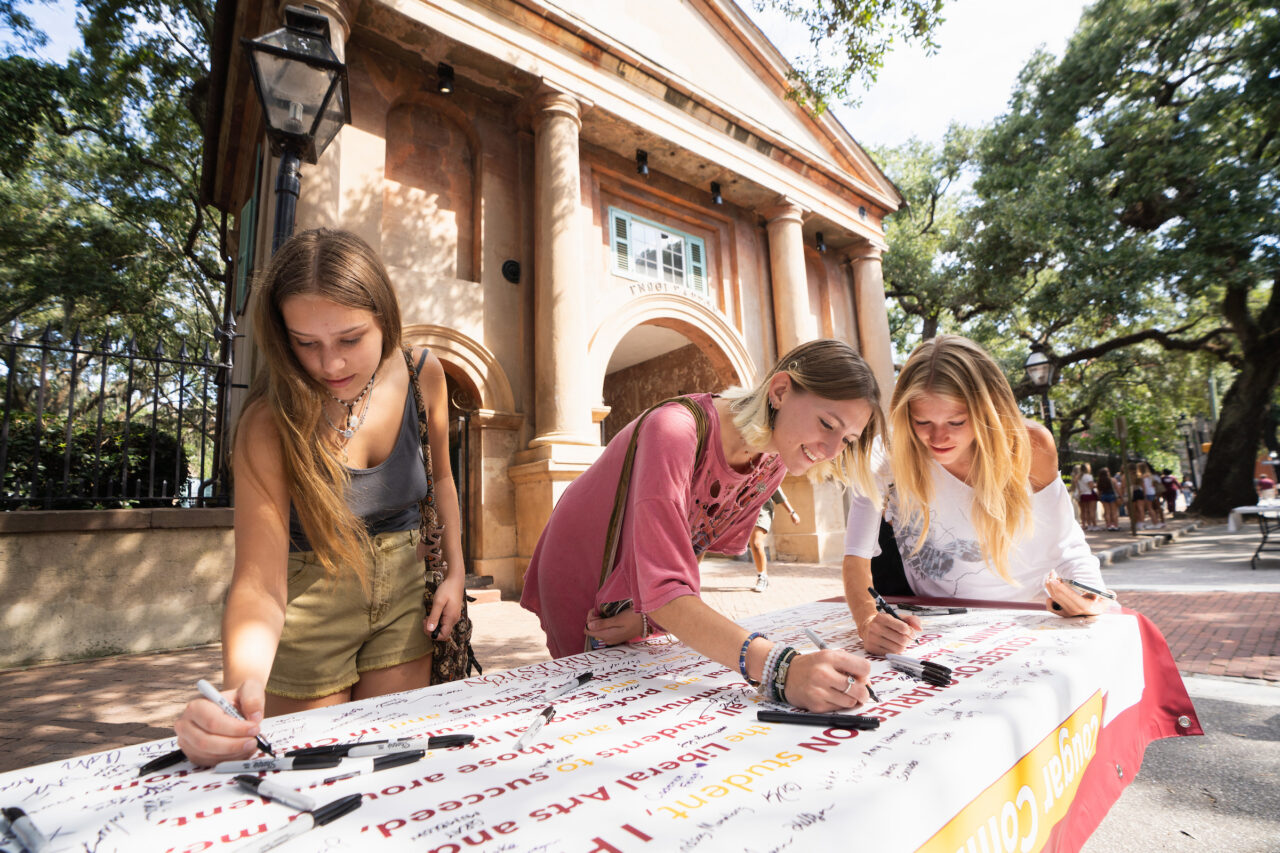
{"type": "Point", "coordinates": [662, 751]}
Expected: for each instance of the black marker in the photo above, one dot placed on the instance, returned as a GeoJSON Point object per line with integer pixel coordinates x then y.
{"type": "Point", "coordinates": [925, 670]}
{"type": "Point", "coordinates": [30, 837]}
{"type": "Point", "coordinates": [375, 747]}
{"type": "Point", "coordinates": [327, 813]}
{"type": "Point", "coordinates": [161, 762]}
{"type": "Point", "coordinates": [211, 693]}
{"type": "Point", "coordinates": [840, 721]}
{"type": "Point", "coordinates": [569, 686]}
{"type": "Point", "coordinates": [277, 792]}
{"type": "Point", "coordinates": [262, 765]}
{"type": "Point", "coordinates": [884, 606]}
{"type": "Point", "coordinates": [384, 762]}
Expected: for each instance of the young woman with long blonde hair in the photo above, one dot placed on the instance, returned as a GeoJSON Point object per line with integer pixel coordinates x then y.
{"type": "Point", "coordinates": [326, 599]}
{"type": "Point", "coordinates": [694, 489]}
{"type": "Point", "coordinates": [976, 503]}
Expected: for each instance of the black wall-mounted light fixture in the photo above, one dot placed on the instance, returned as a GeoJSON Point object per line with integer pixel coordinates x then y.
{"type": "Point", "coordinates": [642, 162]}
{"type": "Point", "coordinates": [444, 78]}
{"type": "Point", "coordinates": [819, 243]}
{"type": "Point", "coordinates": [511, 271]}
{"type": "Point", "coordinates": [716, 197]}
{"type": "Point", "coordinates": [302, 86]}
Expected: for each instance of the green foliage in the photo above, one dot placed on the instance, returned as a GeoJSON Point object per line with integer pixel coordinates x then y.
{"type": "Point", "coordinates": [100, 221]}
{"type": "Point", "coordinates": [849, 39]}
{"type": "Point", "coordinates": [110, 471]}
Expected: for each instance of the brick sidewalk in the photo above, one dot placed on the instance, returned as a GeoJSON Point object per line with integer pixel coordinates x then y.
{"type": "Point", "coordinates": [55, 711]}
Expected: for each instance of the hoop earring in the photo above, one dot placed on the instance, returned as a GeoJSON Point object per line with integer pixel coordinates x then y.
{"type": "Point", "coordinates": [771, 411]}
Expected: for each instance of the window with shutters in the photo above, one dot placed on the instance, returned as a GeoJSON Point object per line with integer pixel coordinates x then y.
{"type": "Point", "coordinates": [645, 250]}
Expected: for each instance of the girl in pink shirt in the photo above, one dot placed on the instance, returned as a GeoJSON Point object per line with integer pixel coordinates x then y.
{"type": "Point", "coordinates": [816, 412]}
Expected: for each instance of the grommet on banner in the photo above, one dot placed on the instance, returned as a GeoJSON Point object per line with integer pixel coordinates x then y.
{"type": "Point", "coordinates": [1184, 722]}
{"type": "Point", "coordinates": [1119, 772]}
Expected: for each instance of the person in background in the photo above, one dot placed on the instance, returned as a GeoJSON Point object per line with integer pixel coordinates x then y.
{"type": "Point", "coordinates": [1141, 507]}
{"type": "Point", "coordinates": [1073, 489]}
{"type": "Point", "coordinates": [1151, 489]}
{"type": "Point", "coordinates": [759, 534]}
{"type": "Point", "coordinates": [1170, 484]}
{"type": "Point", "coordinates": [976, 504]}
{"type": "Point", "coordinates": [326, 598]}
{"type": "Point", "coordinates": [690, 476]}
{"type": "Point", "coordinates": [1109, 498]}
{"type": "Point", "coordinates": [1086, 487]}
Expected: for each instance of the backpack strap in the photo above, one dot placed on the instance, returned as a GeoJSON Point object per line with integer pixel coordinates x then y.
{"type": "Point", "coordinates": [624, 479]}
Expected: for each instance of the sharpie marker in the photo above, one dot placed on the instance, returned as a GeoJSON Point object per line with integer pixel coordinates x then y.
{"type": "Point", "coordinates": [382, 747]}
{"type": "Point", "coordinates": [30, 837]}
{"type": "Point", "coordinates": [211, 693]}
{"type": "Point", "coordinates": [385, 762]}
{"type": "Point", "coordinates": [161, 762]}
{"type": "Point", "coordinates": [327, 813]}
{"type": "Point", "coordinates": [822, 644]}
{"type": "Point", "coordinates": [277, 792]}
{"type": "Point", "coordinates": [569, 686]}
{"type": "Point", "coordinates": [263, 765]}
{"type": "Point", "coordinates": [884, 606]}
{"type": "Point", "coordinates": [535, 727]}
{"type": "Point", "coordinates": [839, 721]}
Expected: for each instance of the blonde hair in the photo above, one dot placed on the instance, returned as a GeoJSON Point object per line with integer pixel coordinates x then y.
{"type": "Point", "coordinates": [342, 268]}
{"type": "Point", "coordinates": [956, 368]}
{"type": "Point", "coordinates": [829, 369]}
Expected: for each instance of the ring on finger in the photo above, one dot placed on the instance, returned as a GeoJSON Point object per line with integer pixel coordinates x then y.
{"type": "Point", "coordinates": [848, 686]}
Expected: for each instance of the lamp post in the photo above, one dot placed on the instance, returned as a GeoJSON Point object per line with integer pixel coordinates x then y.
{"type": "Point", "coordinates": [1186, 428]}
{"type": "Point", "coordinates": [302, 86]}
{"type": "Point", "coordinates": [1040, 374]}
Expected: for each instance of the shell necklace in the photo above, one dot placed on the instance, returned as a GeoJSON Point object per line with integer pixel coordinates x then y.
{"type": "Point", "coordinates": [352, 423]}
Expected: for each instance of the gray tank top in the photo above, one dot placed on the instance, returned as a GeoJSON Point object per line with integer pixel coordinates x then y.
{"type": "Point", "coordinates": [385, 496]}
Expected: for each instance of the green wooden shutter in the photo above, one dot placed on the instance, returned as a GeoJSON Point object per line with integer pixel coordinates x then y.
{"type": "Point", "coordinates": [697, 266]}
{"type": "Point", "coordinates": [620, 240]}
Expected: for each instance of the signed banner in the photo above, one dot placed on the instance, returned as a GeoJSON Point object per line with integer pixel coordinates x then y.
{"type": "Point", "coordinates": [661, 751]}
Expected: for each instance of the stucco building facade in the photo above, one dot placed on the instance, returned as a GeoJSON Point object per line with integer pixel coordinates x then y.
{"type": "Point", "coordinates": [563, 287]}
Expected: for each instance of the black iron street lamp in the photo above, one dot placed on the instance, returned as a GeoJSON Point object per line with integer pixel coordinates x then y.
{"type": "Point", "coordinates": [1040, 374]}
{"type": "Point", "coordinates": [303, 89]}
{"type": "Point", "coordinates": [1186, 427]}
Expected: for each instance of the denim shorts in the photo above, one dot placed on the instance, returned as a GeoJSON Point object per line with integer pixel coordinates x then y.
{"type": "Point", "coordinates": [333, 631]}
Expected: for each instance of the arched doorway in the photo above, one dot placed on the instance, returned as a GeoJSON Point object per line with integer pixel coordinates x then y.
{"type": "Point", "coordinates": [654, 361]}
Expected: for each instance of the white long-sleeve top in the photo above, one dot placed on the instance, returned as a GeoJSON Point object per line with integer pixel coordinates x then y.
{"type": "Point", "coordinates": [950, 563]}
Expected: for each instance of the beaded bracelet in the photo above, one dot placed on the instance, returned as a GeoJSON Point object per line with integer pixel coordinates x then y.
{"type": "Point", "coordinates": [644, 626]}
{"type": "Point", "coordinates": [780, 679]}
{"type": "Point", "coordinates": [770, 669]}
{"type": "Point", "coordinates": [742, 656]}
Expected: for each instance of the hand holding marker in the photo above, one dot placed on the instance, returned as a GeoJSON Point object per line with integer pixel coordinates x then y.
{"type": "Point", "coordinates": [211, 693]}
{"type": "Point", "coordinates": [822, 644]}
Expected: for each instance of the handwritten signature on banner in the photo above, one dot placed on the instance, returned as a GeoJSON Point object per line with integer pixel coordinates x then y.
{"type": "Point", "coordinates": [660, 751]}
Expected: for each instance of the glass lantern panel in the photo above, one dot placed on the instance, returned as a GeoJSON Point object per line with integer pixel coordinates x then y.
{"type": "Point", "coordinates": [294, 91]}
{"type": "Point", "coordinates": [332, 118]}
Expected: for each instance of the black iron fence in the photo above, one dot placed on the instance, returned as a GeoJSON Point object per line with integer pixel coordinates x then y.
{"type": "Point", "coordinates": [109, 428]}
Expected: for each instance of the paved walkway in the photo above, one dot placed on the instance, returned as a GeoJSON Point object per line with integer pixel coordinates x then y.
{"type": "Point", "coordinates": [52, 712]}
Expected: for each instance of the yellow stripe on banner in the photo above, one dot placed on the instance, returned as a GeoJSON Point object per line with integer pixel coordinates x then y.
{"type": "Point", "coordinates": [1018, 810]}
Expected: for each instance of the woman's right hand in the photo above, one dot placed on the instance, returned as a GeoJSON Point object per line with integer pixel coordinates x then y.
{"type": "Point", "coordinates": [883, 634]}
{"type": "Point", "coordinates": [829, 680]}
{"type": "Point", "coordinates": [208, 735]}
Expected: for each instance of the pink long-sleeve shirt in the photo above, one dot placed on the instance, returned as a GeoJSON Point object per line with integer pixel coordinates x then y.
{"type": "Point", "coordinates": [674, 512]}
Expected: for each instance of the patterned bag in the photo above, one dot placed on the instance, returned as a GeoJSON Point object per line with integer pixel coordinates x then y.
{"type": "Point", "coordinates": [453, 658]}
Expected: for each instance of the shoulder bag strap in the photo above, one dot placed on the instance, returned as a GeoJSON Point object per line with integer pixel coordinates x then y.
{"type": "Point", "coordinates": [624, 479]}
{"type": "Point", "coordinates": [430, 529]}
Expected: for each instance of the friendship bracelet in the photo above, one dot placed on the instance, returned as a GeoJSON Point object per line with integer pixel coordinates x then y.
{"type": "Point", "coordinates": [770, 668]}
{"type": "Point", "coordinates": [784, 667]}
{"type": "Point", "coordinates": [644, 626]}
{"type": "Point", "coordinates": [742, 656]}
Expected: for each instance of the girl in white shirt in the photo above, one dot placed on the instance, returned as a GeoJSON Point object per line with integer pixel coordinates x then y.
{"type": "Point", "coordinates": [977, 506]}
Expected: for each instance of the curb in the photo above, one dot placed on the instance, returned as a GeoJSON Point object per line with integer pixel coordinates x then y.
{"type": "Point", "coordinates": [1147, 543]}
